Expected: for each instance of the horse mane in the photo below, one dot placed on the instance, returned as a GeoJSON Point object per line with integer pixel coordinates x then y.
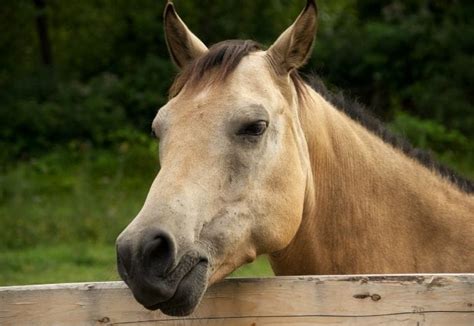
{"type": "Point", "coordinates": [225, 56]}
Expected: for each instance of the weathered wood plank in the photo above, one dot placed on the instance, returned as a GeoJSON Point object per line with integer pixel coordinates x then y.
{"type": "Point", "coordinates": [334, 300]}
{"type": "Point", "coordinates": [396, 320]}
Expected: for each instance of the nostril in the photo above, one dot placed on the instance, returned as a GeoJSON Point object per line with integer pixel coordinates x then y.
{"type": "Point", "coordinates": [159, 253]}
{"type": "Point", "coordinates": [160, 249]}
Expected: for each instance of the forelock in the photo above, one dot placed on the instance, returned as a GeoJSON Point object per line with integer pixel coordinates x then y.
{"type": "Point", "coordinates": [215, 66]}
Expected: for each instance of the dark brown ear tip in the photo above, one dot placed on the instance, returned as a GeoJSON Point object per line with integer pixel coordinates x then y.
{"type": "Point", "coordinates": [169, 9]}
{"type": "Point", "coordinates": [313, 4]}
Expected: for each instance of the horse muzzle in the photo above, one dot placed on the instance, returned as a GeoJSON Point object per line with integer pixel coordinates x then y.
{"type": "Point", "coordinates": [157, 278]}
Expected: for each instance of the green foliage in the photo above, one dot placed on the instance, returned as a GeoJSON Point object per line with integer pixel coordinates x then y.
{"type": "Point", "coordinates": [414, 56]}
{"type": "Point", "coordinates": [429, 133]}
{"type": "Point", "coordinates": [94, 112]}
{"type": "Point", "coordinates": [452, 147]}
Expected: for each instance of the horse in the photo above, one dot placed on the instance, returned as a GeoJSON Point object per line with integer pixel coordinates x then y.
{"type": "Point", "coordinates": [256, 160]}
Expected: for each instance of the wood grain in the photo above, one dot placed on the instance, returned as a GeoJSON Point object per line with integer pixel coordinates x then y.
{"type": "Point", "coordinates": [441, 299]}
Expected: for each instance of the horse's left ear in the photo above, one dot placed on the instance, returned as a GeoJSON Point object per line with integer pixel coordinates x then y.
{"type": "Point", "coordinates": [291, 50]}
{"type": "Point", "coordinates": [182, 44]}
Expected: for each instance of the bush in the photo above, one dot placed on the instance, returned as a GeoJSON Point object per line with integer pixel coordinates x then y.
{"type": "Point", "coordinates": [95, 111]}
{"type": "Point", "coordinates": [451, 146]}
{"type": "Point", "coordinates": [412, 56]}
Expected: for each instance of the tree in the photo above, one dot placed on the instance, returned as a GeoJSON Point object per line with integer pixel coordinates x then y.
{"type": "Point", "coordinates": [43, 34]}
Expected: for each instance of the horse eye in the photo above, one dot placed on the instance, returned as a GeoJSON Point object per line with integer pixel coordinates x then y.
{"type": "Point", "coordinates": [254, 129]}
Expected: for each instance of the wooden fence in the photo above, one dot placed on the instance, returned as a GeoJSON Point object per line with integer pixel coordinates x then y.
{"type": "Point", "coordinates": [440, 299]}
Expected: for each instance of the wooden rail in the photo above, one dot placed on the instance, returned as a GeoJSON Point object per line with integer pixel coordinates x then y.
{"type": "Point", "coordinates": [440, 299]}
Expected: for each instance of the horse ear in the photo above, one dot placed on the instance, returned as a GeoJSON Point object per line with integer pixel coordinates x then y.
{"type": "Point", "coordinates": [293, 47]}
{"type": "Point", "coordinates": [183, 45]}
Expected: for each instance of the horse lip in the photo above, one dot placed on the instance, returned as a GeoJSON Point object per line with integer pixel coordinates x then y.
{"type": "Point", "coordinates": [180, 268]}
{"type": "Point", "coordinates": [174, 278]}
{"type": "Point", "coordinates": [183, 303]}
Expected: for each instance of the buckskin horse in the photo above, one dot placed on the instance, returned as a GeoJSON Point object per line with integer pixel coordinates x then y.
{"type": "Point", "coordinates": [255, 161]}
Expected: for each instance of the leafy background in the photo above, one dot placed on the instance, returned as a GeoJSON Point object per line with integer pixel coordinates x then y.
{"type": "Point", "coordinates": [80, 82]}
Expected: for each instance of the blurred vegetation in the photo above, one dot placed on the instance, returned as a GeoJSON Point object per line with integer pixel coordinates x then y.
{"type": "Point", "coordinates": [71, 195]}
{"type": "Point", "coordinates": [80, 82]}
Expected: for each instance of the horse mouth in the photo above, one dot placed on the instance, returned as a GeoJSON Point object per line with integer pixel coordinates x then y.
{"type": "Point", "coordinates": [188, 292]}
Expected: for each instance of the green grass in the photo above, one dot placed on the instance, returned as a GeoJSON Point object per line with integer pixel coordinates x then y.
{"type": "Point", "coordinates": [73, 196]}
{"type": "Point", "coordinates": [58, 264]}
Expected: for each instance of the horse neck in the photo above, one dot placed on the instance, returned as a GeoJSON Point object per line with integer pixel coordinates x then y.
{"type": "Point", "coordinates": [364, 198]}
